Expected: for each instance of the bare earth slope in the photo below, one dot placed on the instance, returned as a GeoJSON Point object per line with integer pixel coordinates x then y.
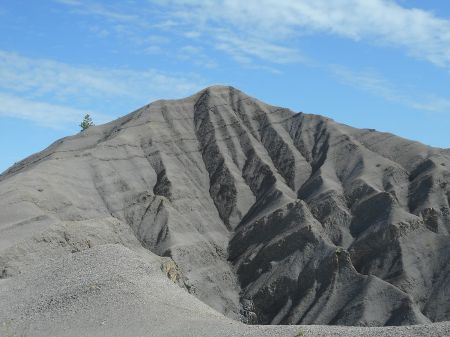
{"type": "Point", "coordinates": [266, 216]}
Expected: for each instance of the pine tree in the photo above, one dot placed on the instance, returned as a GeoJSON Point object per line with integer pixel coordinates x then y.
{"type": "Point", "coordinates": [86, 123]}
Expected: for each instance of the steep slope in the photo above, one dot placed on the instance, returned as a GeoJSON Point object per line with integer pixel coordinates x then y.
{"type": "Point", "coordinates": [271, 217]}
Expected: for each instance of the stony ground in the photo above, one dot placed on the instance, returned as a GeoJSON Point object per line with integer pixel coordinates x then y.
{"type": "Point", "coordinates": [110, 290]}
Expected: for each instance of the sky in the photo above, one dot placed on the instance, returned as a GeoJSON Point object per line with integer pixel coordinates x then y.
{"type": "Point", "coordinates": [380, 64]}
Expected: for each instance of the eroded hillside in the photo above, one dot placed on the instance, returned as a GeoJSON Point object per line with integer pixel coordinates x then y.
{"type": "Point", "coordinates": [271, 217]}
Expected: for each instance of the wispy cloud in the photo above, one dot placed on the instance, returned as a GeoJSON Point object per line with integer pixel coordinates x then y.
{"type": "Point", "coordinates": [44, 114]}
{"type": "Point", "coordinates": [49, 85]}
{"type": "Point", "coordinates": [375, 84]}
{"type": "Point", "coordinates": [267, 30]}
{"type": "Point", "coordinates": [262, 34]}
{"type": "Point", "coordinates": [245, 50]}
{"type": "Point", "coordinates": [433, 103]}
{"type": "Point", "coordinates": [94, 8]}
{"type": "Point", "coordinates": [42, 76]}
{"type": "Point", "coordinates": [420, 33]}
{"type": "Point", "coordinates": [197, 55]}
{"type": "Point", "coordinates": [198, 21]}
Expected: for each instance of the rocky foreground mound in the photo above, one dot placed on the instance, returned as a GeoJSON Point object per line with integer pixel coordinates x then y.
{"type": "Point", "coordinates": [265, 215]}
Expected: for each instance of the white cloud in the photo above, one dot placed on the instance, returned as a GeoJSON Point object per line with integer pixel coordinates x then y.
{"type": "Point", "coordinates": [420, 33]}
{"type": "Point", "coordinates": [432, 103]}
{"type": "Point", "coordinates": [244, 50]}
{"type": "Point", "coordinates": [378, 85]}
{"type": "Point", "coordinates": [263, 33]}
{"type": "Point", "coordinates": [268, 29]}
{"type": "Point", "coordinates": [196, 55]}
{"type": "Point", "coordinates": [44, 114]}
{"type": "Point", "coordinates": [192, 20]}
{"type": "Point", "coordinates": [39, 77]}
{"type": "Point", "coordinates": [100, 32]}
{"type": "Point", "coordinates": [65, 90]}
{"type": "Point", "coordinates": [94, 8]}
{"type": "Point", "coordinates": [21, 74]}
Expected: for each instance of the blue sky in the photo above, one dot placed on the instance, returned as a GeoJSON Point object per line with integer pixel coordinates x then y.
{"type": "Point", "coordinates": [379, 64]}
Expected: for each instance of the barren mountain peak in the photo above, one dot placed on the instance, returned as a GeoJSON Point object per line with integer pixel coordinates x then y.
{"type": "Point", "coordinates": [265, 215]}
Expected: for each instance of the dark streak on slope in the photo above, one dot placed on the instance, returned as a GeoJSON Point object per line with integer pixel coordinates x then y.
{"type": "Point", "coordinates": [278, 150]}
{"type": "Point", "coordinates": [222, 189]}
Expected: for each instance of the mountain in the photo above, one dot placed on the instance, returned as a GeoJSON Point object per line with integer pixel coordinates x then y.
{"type": "Point", "coordinates": [265, 215]}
